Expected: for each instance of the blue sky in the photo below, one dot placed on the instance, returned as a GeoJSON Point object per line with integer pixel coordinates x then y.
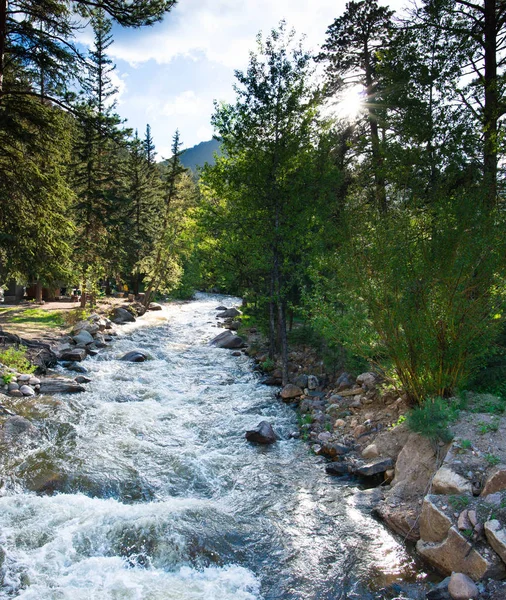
{"type": "Point", "coordinates": [169, 74]}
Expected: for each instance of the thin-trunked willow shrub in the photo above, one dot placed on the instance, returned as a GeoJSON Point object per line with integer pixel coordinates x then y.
{"type": "Point", "coordinates": [425, 288]}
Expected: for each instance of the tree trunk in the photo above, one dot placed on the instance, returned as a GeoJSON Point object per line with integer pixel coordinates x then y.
{"type": "Point", "coordinates": [3, 38]}
{"type": "Point", "coordinates": [38, 292]}
{"type": "Point", "coordinates": [491, 104]}
{"type": "Point", "coordinates": [283, 340]}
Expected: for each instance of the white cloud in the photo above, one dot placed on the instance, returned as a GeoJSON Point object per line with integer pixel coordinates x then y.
{"type": "Point", "coordinates": [185, 104]}
{"type": "Point", "coordinates": [224, 30]}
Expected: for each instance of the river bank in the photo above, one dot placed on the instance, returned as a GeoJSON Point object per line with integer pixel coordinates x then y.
{"type": "Point", "coordinates": [447, 497]}
{"type": "Point", "coordinates": [152, 483]}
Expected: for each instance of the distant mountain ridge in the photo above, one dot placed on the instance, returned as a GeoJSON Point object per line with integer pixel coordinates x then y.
{"type": "Point", "coordinates": [199, 155]}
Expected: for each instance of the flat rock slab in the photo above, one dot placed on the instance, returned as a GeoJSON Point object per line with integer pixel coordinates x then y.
{"type": "Point", "coordinates": [55, 385]}
{"type": "Point", "coordinates": [74, 355]}
{"type": "Point", "coordinates": [338, 468]}
{"type": "Point", "coordinates": [496, 481]}
{"type": "Point", "coordinates": [134, 356]}
{"type": "Point", "coordinates": [374, 467]}
{"type": "Point", "coordinates": [262, 434]}
{"type": "Point", "coordinates": [227, 340]}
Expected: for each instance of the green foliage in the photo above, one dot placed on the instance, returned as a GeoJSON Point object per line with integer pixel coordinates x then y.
{"type": "Point", "coordinates": [459, 502]}
{"type": "Point", "coordinates": [71, 317]}
{"type": "Point", "coordinates": [492, 459]}
{"type": "Point", "coordinates": [268, 365]}
{"type": "Point", "coordinates": [433, 418]}
{"type": "Point", "coordinates": [7, 378]}
{"type": "Point", "coordinates": [488, 427]}
{"type": "Point", "coordinates": [422, 290]}
{"type": "Point", "coordinates": [466, 444]}
{"type": "Point", "coordinates": [15, 358]}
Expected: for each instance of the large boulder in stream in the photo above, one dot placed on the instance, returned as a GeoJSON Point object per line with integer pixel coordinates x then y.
{"type": "Point", "coordinates": [120, 316]}
{"type": "Point", "coordinates": [134, 356]}
{"type": "Point", "coordinates": [229, 313]}
{"type": "Point", "coordinates": [228, 340]}
{"type": "Point", "coordinates": [262, 434]}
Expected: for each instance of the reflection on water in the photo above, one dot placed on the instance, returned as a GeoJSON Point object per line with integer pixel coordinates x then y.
{"type": "Point", "coordinates": [157, 495]}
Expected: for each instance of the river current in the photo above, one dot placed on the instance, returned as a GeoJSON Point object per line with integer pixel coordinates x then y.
{"type": "Point", "coordinates": [153, 493]}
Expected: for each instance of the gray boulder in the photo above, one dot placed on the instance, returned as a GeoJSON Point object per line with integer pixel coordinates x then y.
{"type": "Point", "coordinates": [134, 356]}
{"type": "Point", "coordinates": [83, 337]}
{"type": "Point", "coordinates": [82, 379]}
{"type": "Point", "coordinates": [73, 355]}
{"type": "Point", "coordinates": [229, 312]}
{"type": "Point", "coordinates": [374, 467]}
{"type": "Point", "coordinates": [338, 468]}
{"type": "Point", "coordinates": [227, 340]}
{"type": "Point", "coordinates": [121, 316]}
{"type": "Point", "coordinates": [27, 390]}
{"type": "Point", "coordinates": [262, 434]}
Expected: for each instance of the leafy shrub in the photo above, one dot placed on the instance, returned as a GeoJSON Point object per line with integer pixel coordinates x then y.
{"type": "Point", "coordinates": [433, 418]}
{"type": "Point", "coordinates": [419, 291]}
{"type": "Point", "coordinates": [15, 358]}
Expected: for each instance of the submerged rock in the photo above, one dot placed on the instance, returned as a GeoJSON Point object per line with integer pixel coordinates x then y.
{"type": "Point", "coordinates": [16, 427]}
{"type": "Point", "coordinates": [262, 434]}
{"type": "Point", "coordinates": [82, 379]}
{"type": "Point", "coordinates": [134, 356]}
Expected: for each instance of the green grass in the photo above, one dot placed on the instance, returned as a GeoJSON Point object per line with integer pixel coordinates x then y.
{"type": "Point", "coordinates": [39, 316]}
{"type": "Point", "coordinates": [466, 444]}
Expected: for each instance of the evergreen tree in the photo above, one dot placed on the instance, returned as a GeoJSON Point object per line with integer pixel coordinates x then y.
{"type": "Point", "coordinates": [352, 51]}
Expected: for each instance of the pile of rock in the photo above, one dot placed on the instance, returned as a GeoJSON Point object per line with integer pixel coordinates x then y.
{"type": "Point", "coordinates": [228, 339]}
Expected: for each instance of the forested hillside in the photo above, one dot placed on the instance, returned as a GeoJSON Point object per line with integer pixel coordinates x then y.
{"type": "Point", "coordinates": [197, 156]}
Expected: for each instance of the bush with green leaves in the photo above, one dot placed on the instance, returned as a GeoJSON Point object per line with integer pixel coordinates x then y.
{"type": "Point", "coordinates": [418, 290]}
{"type": "Point", "coordinates": [16, 359]}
